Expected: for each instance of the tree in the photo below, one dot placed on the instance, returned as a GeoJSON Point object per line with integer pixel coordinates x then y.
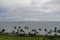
{"type": "Point", "coordinates": [14, 27]}
{"type": "Point", "coordinates": [45, 30]}
{"type": "Point", "coordinates": [22, 33]}
{"type": "Point", "coordinates": [34, 32]}
{"type": "Point", "coordinates": [31, 34]}
{"type": "Point", "coordinates": [50, 36]}
{"type": "Point", "coordinates": [13, 32]}
{"type": "Point", "coordinates": [0, 30]}
{"type": "Point", "coordinates": [3, 30]}
{"type": "Point", "coordinates": [58, 31]}
{"type": "Point", "coordinates": [26, 27]}
{"type": "Point", "coordinates": [21, 30]}
{"type": "Point", "coordinates": [55, 31]}
{"type": "Point", "coordinates": [45, 34]}
{"type": "Point", "coordinates": [17, 31]}
{"type": "Point", "coordinates": [19, 27]}
{"type": "Point", "coordinates": [50, 31]}
{"type": "Point", "coordinates": [39, 29]}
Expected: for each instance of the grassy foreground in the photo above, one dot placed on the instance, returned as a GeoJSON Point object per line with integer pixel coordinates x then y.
{"type": "Point", "coordinates": [10, 37]}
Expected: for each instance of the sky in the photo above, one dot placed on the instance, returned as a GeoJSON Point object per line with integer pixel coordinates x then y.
{"type": "Point", "coordinates": [29, 10]}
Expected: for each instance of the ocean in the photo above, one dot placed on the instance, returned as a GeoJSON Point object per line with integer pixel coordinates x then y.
{"type": "Point", "coordinates": [9, 26]}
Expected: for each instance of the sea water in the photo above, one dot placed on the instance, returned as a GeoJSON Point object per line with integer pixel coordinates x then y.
{"type": "Point", "coordinates": [9, 26]}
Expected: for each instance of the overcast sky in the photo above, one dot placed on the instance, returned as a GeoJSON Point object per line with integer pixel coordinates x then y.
{"type": "Point", "coordinates": [29, 10]}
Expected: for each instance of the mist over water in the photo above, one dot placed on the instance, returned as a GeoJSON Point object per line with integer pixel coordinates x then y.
{"type": "Point", "coordinates": [9, 26]}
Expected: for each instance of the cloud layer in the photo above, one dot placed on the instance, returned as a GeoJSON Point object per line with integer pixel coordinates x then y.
{"type": "Point", "coordinates": [29, 10]}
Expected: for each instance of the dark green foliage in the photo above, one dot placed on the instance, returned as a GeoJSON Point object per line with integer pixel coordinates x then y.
{"type": "Point", "coordinates": [33, 33]}
{"type": "Point", "coordinates": [21, 30]}
{"type": "Point", "coordinates": [13, 32]}
{"type": "Point", "coordinates": [14, 27]}
{"type": "Point", "coordinates": [45, 29]}
{"type": "Point", "coordinates": [3, 30]}
{"type": "Point", "coordinates": [50, 31]}
{"type": "Point", "coordinates": [19, 27]}
{"type": "Point", "coordinates": [55, 30]}
{"type": "Point", "coordinates": [58, 31]}
{"type": "Point", "coordinates": [39, 29]}
{"type": "Point", "coordinates": [26, 27]}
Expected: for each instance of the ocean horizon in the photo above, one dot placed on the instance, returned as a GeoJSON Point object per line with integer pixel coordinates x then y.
{"type": "Point", "coordinates": [9, 26]}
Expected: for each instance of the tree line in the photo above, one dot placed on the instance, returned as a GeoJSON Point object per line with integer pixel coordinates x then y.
{"type": "Point", "coordinates": [19, 30]}
{"type": "Point", "coordinates": [33, 33]}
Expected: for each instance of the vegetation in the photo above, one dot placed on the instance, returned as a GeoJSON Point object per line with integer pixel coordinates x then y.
{"type": "Point", "coordinates": [32, 35]}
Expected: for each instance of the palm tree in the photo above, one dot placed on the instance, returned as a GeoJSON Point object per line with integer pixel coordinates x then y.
{"type": "Point", "coordinates": [13, 32]}
{"type": "Point", "coordinates": [22, 33]}
{"type": "Point", "coordinates": [26, 27]}
{"type": "Point", "coordinates": [0, 30]}
{"type": "Point", "coordinates": [50, 37]}
{"type": "Point", "coordinates": [21, 30]}
{"type": "Point", "coordinates": [50, 31]}
{"type": "Point", "coordinates": [58, 31]}
{"type": "Point", "coordinates": [45, 30]}
{"type": "Point", "coordinates": [17, 31]}
{"type": "Point", "coordinates": [3, 30]}
{"type": "Point", "coordinates": [34, 32]}
{"type": "Point", "coordinates": [45, 34]}
{"type": "Point", "coordinates": [14, 27]}
{"type": "Point", "coordinates": [55, 31]}
{"type": "Point", "coordinates": [30, 34]}
{"type": "Point", "coordinates": [19, 27]}
{"type": "Point", "coordinates": [39, 29]}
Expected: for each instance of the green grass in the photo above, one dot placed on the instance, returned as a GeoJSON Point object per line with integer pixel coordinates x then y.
{"type": "Point", "coordinates": [11, 37]}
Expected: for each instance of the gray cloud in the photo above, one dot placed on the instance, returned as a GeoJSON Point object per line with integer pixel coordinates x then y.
{"type": "Point", "coordinates": [36, 11]}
